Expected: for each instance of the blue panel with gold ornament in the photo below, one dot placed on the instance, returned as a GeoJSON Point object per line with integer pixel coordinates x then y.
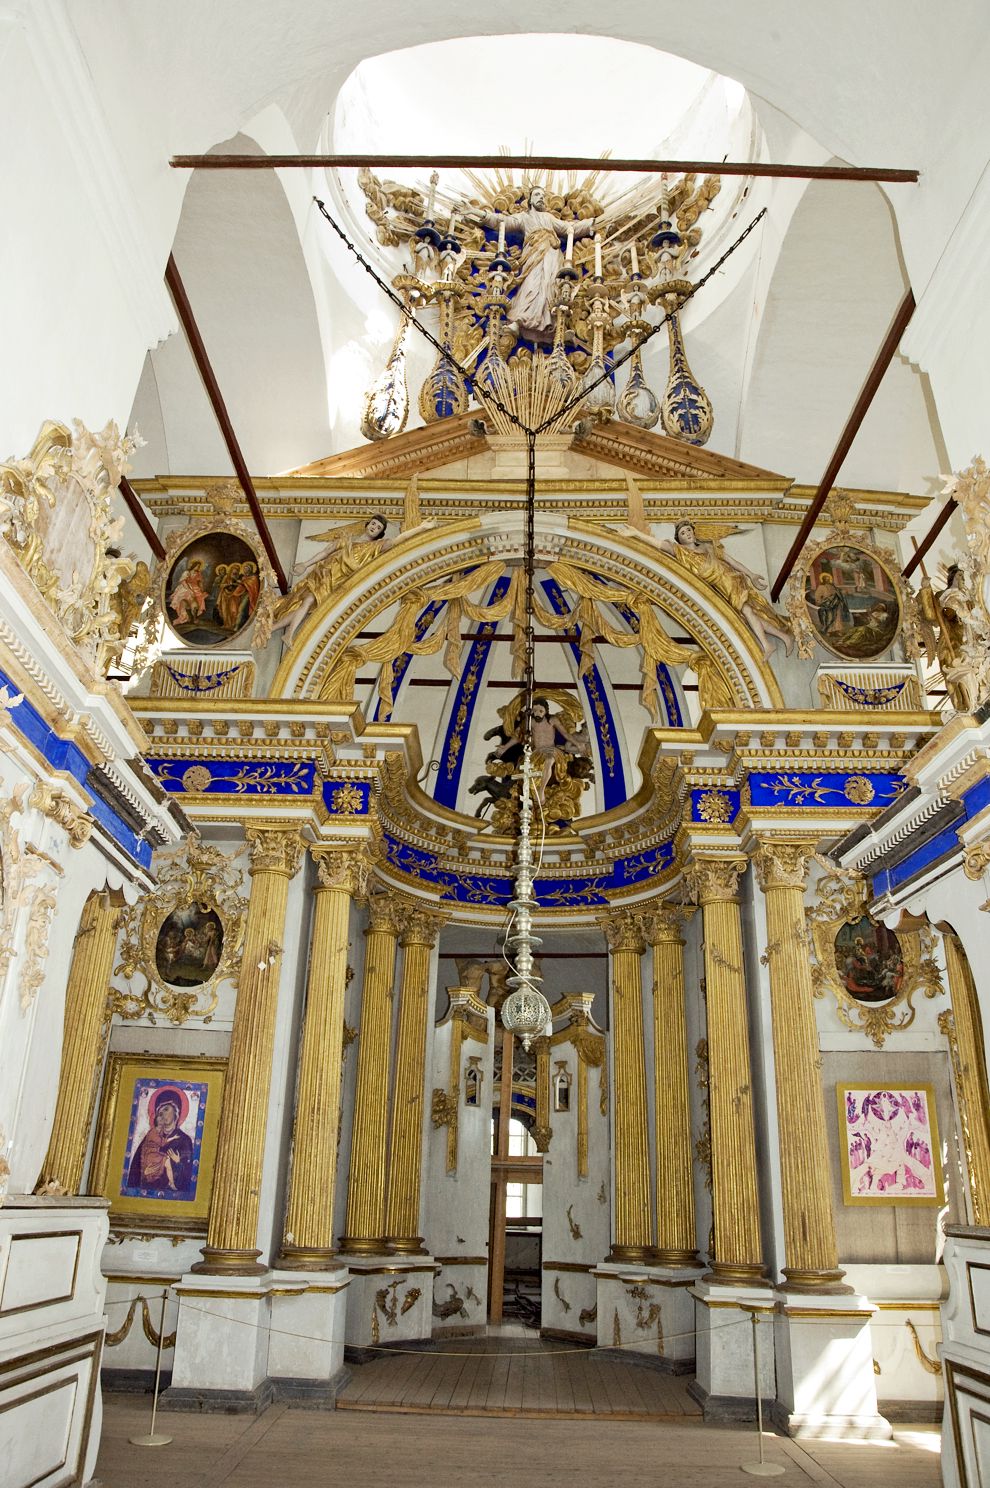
{"type": "Point", "coordinates": [551, 893]}
{"type": "Point", "coordinates": [64, 755]}
{"type": "Point", "coordinates": [824, 788]}
{"type": "Point", "coordinates": [613, 777]}
{"type": "Point", "coordinates": [448, 778]}
{"type": "Point", "coordinates": [236, 777]}
{"type": "Point", "coordinates": [347, 797]}
{"type": "Point", "coordinates": [714, 805]}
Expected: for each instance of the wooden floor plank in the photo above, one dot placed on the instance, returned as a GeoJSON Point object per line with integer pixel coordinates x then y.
{"type": "Point", "coordinates": [519, 1375]}
{"type": "Point", "coordinates": [495, 1398]}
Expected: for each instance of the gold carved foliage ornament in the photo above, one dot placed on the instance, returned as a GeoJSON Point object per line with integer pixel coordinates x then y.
{"type": "Point", "coordinates": [873, 973]}
{"type": "Point", "coordinates": [183, 940]}
{"type": "Point", "coordinates": [58, 515]}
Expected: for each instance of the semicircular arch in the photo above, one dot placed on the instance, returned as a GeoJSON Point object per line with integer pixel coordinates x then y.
{"type": "Point", "coordinates": [431, 556]}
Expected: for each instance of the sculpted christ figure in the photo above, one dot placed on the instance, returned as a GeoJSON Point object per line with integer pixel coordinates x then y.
{"type": "Point", "coordinates": [540, 261]}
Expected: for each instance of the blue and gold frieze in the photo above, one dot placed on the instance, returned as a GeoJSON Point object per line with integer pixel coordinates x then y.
{"type": "Point", "coordinates": [589, 891]}
{"type": "Point", "coordinates": [805, 789]}
{"type": "Point", "coordinates": [65, 757]}
{"type": "Point", "coordinates": [714, 805]}
{"type": "Point", "coordinates": [347, 797]}
{"type": "Point", "coordinates": [235, 778]}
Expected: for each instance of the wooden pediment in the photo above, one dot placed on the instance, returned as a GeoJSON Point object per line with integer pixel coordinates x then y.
{"type": "Point", "coordinates": [644, 454]}
{"type": "Point", "coordinates": [406, 454]}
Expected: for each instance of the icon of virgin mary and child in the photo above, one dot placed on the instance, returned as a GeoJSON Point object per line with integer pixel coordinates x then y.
{"type": "Point", "coordinates": [162, 1165]}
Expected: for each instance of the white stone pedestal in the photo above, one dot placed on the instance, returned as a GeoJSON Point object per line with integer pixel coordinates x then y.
{"type": "Point", "coordinates": [221, 1344]}
{"type": "Point", "coordinates": [306, 1345]}
{"type": "Point", "coordinates": [966, 1356]}
{"type": "Point", "coordinates": [648, 1310]}
{"type": "Point", "coordinates": [51, 1335]}
{"type": "Point", "coordinates": [389, 1302]}
{"type": "Point", "coordinates": [725, 1377]}
{"type": "Point", "coordinates": [826, 1385]}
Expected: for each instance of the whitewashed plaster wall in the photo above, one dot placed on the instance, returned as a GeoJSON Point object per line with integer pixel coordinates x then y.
{"type": "Point", "coordinates": [576, 1211]}
{"type": "Point", "coordinates": [31, 1026]}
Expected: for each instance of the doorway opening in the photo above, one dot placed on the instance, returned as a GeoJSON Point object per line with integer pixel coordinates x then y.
{"type": "Point", "coordinates": [515, 1239]}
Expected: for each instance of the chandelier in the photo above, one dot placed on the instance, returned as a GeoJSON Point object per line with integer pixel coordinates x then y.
{"type": "Point", "coordinates": [526, 1012]}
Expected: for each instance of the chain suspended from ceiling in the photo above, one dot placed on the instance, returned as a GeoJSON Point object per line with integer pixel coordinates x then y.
{"type": "Point", "coordinates": [526, 1011]}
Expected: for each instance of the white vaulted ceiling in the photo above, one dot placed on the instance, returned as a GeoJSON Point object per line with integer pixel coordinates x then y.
{"type": "Point", "coordinates": [108, 90]}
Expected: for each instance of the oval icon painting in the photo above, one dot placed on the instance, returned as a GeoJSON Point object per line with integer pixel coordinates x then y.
{"type": "Point", "coordinates": [187, 952]}
{"type": "Point", "coordinates": [852, 603]}
{"type": "Point", "coordinates": [212, 589]}
{"type": "Point", "coordinates": [869, 961]}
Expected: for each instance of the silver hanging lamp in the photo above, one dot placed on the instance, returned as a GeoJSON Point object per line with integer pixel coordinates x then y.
{"type": "Point", "coordinates": [526, 1012]}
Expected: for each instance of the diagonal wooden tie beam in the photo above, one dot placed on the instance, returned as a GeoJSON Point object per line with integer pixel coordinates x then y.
{"type": "Point", "coordinates": [883, 360]}
{"type": "Point", "coordinates": [205, 369]}
{"type": "Point", "coordinates": [927, 541]}
{"type": "Point", "coordinates": [136, 508]}
{"type": "Point", "coordinates": [548, 162]}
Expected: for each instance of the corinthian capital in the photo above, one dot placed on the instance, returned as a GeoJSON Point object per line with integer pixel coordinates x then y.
{"type": "Point", "coordinates": [665, 923]}
{"type": "Point", "coordinates": [274, 850]}
{"type": "Point", "coordinates": [418, 925]}
{"type": "Point", "coordinates": [385, 912]}
{"type": "Point", "coordinates": [624, 932]}
{"type": "Point", "coordinates": [782, 865]}
{"type": "Point", "coordinates": [714, 880]}
{"type": "Point", "coordinates": [345, 868]}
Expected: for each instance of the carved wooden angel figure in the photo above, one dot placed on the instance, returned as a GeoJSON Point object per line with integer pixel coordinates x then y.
{"type": "Point", "coordinates": [705, 557]}
{"type": "Point", "coordinates": [953, 635]}
{"type": "Point", "coordinates": [348, 549]}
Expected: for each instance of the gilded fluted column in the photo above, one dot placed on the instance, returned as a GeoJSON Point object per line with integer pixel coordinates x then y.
{"type": "Point", "coordinates": [971, 1076]}
{"type": "Point", "coordinates": [365, 1221]}
{"type": "Point", "coordinates": [405, 1168]}
{"type": "Point", "coordinates": [542, 1131]}
{"type": "Point", "coordinates": [735, 1195]}
{"type": "Point", "coordinates": [86, 1027]}
{"type": "Point", "coordinates": [232, 1228]}
{"type": "Point", "coordinates": [632, 1227]}
{"type": "Point", "coordinates": [811, 1253]}
{"type": "Point", "coordinates": [341, 876]}
{"type": "Point", "coordinates": [675, 1173]}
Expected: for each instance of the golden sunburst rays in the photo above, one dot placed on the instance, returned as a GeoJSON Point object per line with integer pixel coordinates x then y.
{"type": "Point", "coordinates": [529, 387]}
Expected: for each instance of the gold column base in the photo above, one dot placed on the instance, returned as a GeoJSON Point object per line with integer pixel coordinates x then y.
{"type": "Point", "coordinates": [406, 1244]}
{"type": "Point", "coordinates": [673, 1258]}
{"type": "Point", "coordinates": [736, 1274]}
{"type": "Point", "coordinates": [362, 1245]}
{"type": "Point", "coordinates": [797, 1279]}
{"type": "Point", "coordinates": [306, 1258]}
{"type": "Point", "coordinates": [217, 1262]}
{"type": "Point", "coordinates": [638, 1255]}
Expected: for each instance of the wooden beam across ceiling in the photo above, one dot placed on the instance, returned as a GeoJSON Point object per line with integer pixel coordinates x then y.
{"type": "Point", "coordinates": [882, 361]}
{"type": "Point", "coordinates": [888, 174]}
{"type": "Point", "coordinates": [197, 347]}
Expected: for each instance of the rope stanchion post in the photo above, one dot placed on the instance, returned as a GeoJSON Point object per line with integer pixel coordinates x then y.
{"type": "Point", "coordinates": [156, 1438]}
{"type": "Point", "coordinates": [762, 1468]}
